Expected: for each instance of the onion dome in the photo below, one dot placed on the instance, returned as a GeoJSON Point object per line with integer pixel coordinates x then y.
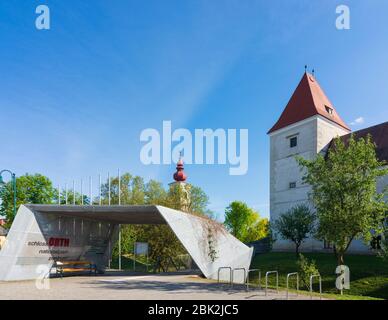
{"type": "Point", "coordinates": [180, 175]}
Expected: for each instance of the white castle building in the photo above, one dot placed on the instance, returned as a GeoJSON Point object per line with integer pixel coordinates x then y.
{"type": "Point", "coordinates": [306, 128]}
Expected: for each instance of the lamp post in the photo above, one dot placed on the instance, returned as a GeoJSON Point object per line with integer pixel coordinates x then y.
{"type": "Point", "coordinates": [13, 176]}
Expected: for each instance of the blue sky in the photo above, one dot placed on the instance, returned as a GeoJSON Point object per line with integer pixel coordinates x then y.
{"type": "Point", "coordinates": [74, 99]}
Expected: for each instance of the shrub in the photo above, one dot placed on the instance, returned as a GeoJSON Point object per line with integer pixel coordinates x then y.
{"type": "Point", "coordinates": [307, 268]}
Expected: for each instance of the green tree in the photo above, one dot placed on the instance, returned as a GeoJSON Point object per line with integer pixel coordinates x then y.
{"type": "Point", "coordinates": [34, 188]}
{"type": "Point", "coordinates": [70, 198]}
{"type": "Point", "coordinates": [155, 193]}
{"type": "Point", "coordinates": [245, 223]}
{"type": "Point", "coordinates": [384, 249]}
{"type": "Point", "coordinates": [383, 253]}
{"type": "Point", "coordinates": [198, 201]}
{"type": "Point", "coordinates": [307, 268]}
{"type": "Point", "coordinates": [295, 225]}
{"type": "Point", "coordinates": [126, 197]}
{"type": "Point", "coordinates": [164, 245]}
{"type": "Point", "coordinates": [344, 192]}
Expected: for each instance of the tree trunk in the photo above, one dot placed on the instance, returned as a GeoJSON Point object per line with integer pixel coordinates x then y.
{"type": "Point", "coordinates": [340, 258]}
{"type": "Point", "coordinates": [335, 252]}
{"type": "Point", "coordinates": [297, 249]}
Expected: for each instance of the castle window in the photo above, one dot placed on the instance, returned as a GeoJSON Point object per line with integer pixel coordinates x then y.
{"type": "Point", "coordinates": [327, 245]}
{"type": "Point", "coordinates": [292, 185]}
{"type": "Point", "coordinates": [293, 142]}
{"type": "Point", "coordinates": [329, 110]}
{"type": "Point", "coordinates": [376, 243]}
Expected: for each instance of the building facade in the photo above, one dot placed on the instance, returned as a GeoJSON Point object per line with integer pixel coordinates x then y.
{"type": "Point", "coordinates": [181, 187]}
{"type": "Point", "coordinates": [306, 128]}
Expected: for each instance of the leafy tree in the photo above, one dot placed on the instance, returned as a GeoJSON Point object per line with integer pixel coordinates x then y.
{"type": "Point", "coordinates": [70, 198]}
{"type": "Point", "coordinates": [126, 197]}
{"type": "Point", "coordinates": [164, 245]}
{"type": "Point", "coordinates": [384, 249]}
{"type": "Point", "coordinates": [307, 268]}
{"type": "Point", "coordinates": [245, 223]}
{"type": "Point", "coordinates": [35, 188]}
{"type": "Point", "coordinates": [344, 192]}
{"type": "Point", "coordinates": [178, 197]}
{"type": "Point", "coordinates": [198, 201]}
{"type": "Point", "coordinates": [295, 225]}
{"type": "Point", "coordinates": [137, 188]}
{"type": "Point", "coordinates": [154, 193]}
{"type": "Point", "coordinates": [383, 253]}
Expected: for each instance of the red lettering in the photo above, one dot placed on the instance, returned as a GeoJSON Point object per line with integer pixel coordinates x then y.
{"type": "Point", "coordinates": [59, 242]}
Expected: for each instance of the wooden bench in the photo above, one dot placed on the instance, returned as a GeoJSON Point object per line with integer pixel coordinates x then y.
{"type": "Point", "coordinates": [62, 267]}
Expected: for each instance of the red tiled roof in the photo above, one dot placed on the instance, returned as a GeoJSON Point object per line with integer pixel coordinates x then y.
{"type": "Point", "coordinates": [379, 135]}
{"type": "Point", "coordinates": [308, 100]}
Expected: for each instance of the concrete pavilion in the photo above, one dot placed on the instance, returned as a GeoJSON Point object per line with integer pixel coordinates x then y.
{"type": "Point", "coordinates": [41, 234]}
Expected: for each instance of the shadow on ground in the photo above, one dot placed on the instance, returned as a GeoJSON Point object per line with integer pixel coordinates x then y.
{"type": "Point", "coordinates": [173, 287]}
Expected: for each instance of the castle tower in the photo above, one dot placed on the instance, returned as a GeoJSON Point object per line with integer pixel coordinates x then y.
{"type": "Point", "coordinates": [305, 128]}
{"type": "Point", "coordinates": [181, 187]}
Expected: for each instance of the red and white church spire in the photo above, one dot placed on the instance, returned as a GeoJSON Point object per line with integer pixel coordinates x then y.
{"type": "Point", "coordinates": [181, 185]}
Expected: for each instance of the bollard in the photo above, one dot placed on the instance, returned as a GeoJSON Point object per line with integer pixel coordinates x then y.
{"type": "Point", "coordinates": [297, 282]}
{"type": "Point", "coordinates": [266, 281]}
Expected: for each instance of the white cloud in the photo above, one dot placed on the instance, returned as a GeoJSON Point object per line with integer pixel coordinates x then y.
{"type": "Point", "coordinates": [358, 121]}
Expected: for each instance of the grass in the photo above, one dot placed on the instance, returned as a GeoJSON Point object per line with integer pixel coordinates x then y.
{"type": "Point", "coordinates": [127, 264]}
{"type": "Point", "coordinates": [141, 264]}
{"type": "Point", "coordinates": [368, 274]}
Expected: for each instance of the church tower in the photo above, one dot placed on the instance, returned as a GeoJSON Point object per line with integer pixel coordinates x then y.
{"type": "Point", "coordinates": [305, 128]}
{"type": "Point", "coordinates": [180, 187]}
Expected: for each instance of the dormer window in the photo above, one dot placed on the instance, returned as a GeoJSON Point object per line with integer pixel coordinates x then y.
{"type": "Point", "coordinates": [329, 110]}
{"type": "Point", "coordinates": [292, 185]}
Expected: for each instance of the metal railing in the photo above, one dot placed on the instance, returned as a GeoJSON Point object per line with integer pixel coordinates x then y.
{"type": "Point", "coordinates": [239, 269]}
{"type": "Point", "coordinates": [311, 285]}
{"type": "Point", "coordinates": [230, 274]}
{"type": "Point", "coordinates": [297, 283]}
{"type": "Point", "coordinates": [254, 270]}
{"type": "Point", "coordinates": [266, 281]}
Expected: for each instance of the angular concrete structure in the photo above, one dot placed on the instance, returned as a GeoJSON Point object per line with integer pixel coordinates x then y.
{"type": "Point", "coordinates": [41, 234]}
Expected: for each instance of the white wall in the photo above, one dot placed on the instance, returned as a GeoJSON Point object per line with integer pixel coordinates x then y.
{"type": "Point", "coordinates": [284, 168]}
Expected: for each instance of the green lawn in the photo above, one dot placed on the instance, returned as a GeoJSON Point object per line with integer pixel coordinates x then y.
{"type": "Point", "coordinates": [368, 274]}
{"type": "Point", "coordinates": [127, 264]}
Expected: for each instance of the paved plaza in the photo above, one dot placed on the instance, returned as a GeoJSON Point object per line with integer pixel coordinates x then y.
{"type": "Point", "coordinates": [124, 285]}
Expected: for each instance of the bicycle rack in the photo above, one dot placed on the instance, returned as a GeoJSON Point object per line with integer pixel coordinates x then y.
{"type": "Point", "coordinates": [266, 281]}
{"type": "Point", "coordinates": [239, 269]}
{"type": "Point", "coordinates": [254, 270]}
{"type": "Point", "coordinates": [297, 282]}
{"type": "Point", "coordinates": [230, 274]}
{"type": "Point", "coordinates": [311, 285]}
